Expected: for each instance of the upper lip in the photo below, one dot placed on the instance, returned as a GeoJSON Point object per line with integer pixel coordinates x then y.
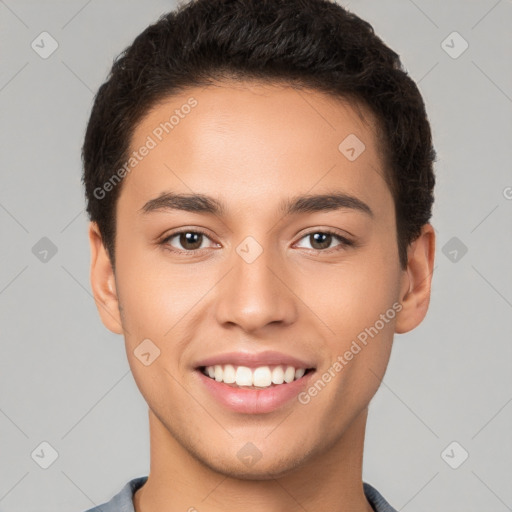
{"type": "Point", "coordinates": [255, 359]}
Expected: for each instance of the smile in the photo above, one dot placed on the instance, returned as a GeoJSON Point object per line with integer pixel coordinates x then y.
{"type": "Point", "coordinates": [243, 396]}
{"type": "Point", "coordinates": [254, 378]}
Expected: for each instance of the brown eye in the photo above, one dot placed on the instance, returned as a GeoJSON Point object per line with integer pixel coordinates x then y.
{"type": "Point", "coordinates": [322, 240]}
{"type": "Point", "coordinates": [191, 240]}
{"type": "Point", "coordinates": [186, 241]}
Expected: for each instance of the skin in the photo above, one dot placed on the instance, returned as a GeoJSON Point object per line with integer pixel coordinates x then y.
{"type": "Point", "coordinates": [252, 145]}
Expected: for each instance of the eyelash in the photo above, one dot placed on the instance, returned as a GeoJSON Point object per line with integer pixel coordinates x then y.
{"type": "Point", "coordinates": [344, 242]}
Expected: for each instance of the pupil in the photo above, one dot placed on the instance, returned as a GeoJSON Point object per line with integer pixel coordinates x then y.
{"type": "Point", "coordinates": [323, 239]}
{"type": "Point", "coordinates": [193, 239]}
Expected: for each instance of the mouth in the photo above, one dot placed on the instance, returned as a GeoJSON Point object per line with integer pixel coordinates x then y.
{"type": "Point", "coordinates": [251, 392]}
{"type": "Point", "coordinates": [254, 383]}
{"type": "Point", "coordinates": [261, 377]}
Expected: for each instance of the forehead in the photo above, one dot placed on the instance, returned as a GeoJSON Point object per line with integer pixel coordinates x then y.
{"type": "Point", "coordinates": [249, 140]}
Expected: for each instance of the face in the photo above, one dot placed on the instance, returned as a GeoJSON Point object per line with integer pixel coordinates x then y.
{"type": "Point", "coordinates": [252, 270]}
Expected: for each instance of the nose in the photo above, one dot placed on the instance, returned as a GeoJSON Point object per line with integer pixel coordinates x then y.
{"type": "Point", "coordinates": [256, 294]}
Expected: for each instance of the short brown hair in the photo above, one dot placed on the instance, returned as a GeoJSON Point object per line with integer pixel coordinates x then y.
{"type": "Point", "coordinates": [308, 43]}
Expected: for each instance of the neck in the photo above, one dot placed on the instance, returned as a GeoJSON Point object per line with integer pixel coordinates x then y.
{"type": "Point", "coordinates": [331, 479]}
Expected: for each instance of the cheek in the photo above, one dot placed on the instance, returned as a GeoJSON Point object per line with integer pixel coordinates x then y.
{"type": "Point", "coordinates": [360, 308]}
{"type": "Point", "coordinates": [358, 303]}
{"type": "Point", "coordinates": [351, 296]}
{"type": "Point", "coordinates": [155, 381]}
{"type": "Point", "coordinates": [147, 304]}
{"type": "Point", "coordinates": [154, 294]}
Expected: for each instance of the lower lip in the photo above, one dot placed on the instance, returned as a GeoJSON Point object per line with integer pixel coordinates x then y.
{"type": "Point", "coordinates": [254, 401]}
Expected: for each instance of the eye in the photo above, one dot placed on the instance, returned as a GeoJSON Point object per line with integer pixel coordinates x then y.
{"type": "Point", "coordinates": [321, 240]}
{"type": "Point", "coordinates": [187, 240]}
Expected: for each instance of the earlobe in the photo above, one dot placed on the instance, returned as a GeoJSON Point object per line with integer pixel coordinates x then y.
{"type": "Point", "coordinates": [416, 281]}
{"type": "Point", "coordinates": [103, 282]}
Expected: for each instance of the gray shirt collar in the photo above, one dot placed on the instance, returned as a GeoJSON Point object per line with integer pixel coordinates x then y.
{"type": "Point", "coordinates": [123, 500]}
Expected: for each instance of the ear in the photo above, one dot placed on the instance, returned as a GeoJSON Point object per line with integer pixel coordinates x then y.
{"type": "Point", "coordinates": [416, 281]}
{"type": "Point", "coordinates": [103, 282]}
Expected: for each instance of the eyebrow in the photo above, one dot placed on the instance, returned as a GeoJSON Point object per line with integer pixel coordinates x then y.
{"type": "Point", "coordinates": [200, 203]}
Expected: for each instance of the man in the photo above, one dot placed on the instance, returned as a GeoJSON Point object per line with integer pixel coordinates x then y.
{"type": "Point", "coordinates": [259, 181]}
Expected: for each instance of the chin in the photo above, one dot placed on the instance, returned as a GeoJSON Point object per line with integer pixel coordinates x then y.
{"type": "Point", "coordinates": [260, 470]}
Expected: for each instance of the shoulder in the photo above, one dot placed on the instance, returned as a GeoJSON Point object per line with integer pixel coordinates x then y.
{"type": "Point", "coordinates": [122, 501]}
{"type": "Point", "coordinates": [376, 500]}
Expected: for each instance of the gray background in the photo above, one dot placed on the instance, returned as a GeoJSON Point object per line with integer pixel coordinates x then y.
{"type": "Point", "coordinates": [64, 378]}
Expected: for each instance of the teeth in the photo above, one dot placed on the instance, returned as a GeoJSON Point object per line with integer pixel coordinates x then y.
{"type": "Point", "coordinates": [229, 375]}
{"type": "Point", "coordinates": [243, 376]}
{"type": "Point", "coordinates": [278, 375]}
{"type": "Point", "coordinates": [261, 377]}
{"type": "Point", "coordinates": [299, 372]}
{"type": "Point", "coordinates": [289, 374]}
